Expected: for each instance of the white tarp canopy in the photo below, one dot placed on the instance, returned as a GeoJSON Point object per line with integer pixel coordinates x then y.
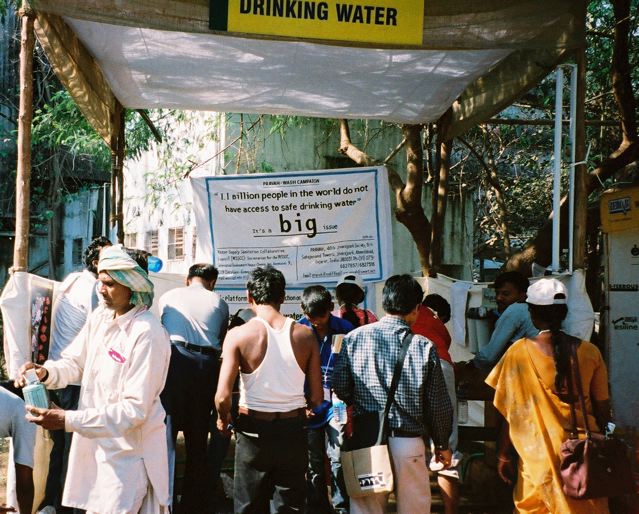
{"type": "Point", "coordinates": [149, 68]}
{"type": "Point", "coordinates": [475, 57]}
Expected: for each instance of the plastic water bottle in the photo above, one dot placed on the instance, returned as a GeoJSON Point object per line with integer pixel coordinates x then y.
{"type": "Point", "coordinates": [34, 392]}
{"type": "Point", "coordinates": [154, 263]}
{"type": "Point", "coordinates": [339, 411]}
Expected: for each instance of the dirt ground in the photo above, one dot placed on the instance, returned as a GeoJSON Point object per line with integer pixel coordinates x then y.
{"type": "Point", "coordinates": [4, 455]}
{"type": "Point", "coordinates": [227, 480]}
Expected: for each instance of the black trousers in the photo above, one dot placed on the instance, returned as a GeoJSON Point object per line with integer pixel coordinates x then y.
{"type": "Point", "coordinates": [188, 399]}
{"type": "Point", "coordinates": [270, 466]}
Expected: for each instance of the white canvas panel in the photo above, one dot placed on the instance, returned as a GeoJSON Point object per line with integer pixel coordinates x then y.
{"type": "Point", "coordinates": [149, 68]}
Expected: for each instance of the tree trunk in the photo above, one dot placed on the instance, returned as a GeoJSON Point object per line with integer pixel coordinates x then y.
{"type": "Point", "coordinates": [439, 196]}
{"type": "Point", "coordinates": [409, 210]}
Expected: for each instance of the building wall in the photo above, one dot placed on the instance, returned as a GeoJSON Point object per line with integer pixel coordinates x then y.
{"type": "Point", "coordinates": [312, 146]}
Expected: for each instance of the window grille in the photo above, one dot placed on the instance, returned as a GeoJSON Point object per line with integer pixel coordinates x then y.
{"type": "Point", "coordinates": [176, 243]}
{"type": "Point", "coordinates": [152, 244]}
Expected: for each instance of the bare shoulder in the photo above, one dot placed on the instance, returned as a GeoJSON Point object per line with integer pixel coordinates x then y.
{"type": "Point", "coordinates": [301, 334]}
{"type": "Point", "coordinates": [237, 336]}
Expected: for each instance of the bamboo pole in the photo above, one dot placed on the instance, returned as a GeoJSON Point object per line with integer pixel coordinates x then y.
{"type": "Point", "coordinates": [116, 217]}
{"type": "Point", "coordinates": [114, 190]}
{"type": "Point", "coordinates": [581, 173]}
{"type": "Point", "coordinates": [25, 117]}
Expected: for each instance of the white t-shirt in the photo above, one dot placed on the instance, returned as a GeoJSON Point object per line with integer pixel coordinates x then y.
{"type": "Point", "coordinates": [14, 424]}
{"type": "Point", "coordinates": [77, 300]}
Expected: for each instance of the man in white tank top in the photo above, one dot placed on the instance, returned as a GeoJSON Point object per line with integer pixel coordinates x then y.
{"type": "Point", "coordinates": [275, 357]}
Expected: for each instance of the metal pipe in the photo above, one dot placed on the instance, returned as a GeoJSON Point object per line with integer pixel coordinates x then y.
{"type": "Point", "coordinates": [556, 191]}
{"type": "Point", "coordinates": [571, 176]}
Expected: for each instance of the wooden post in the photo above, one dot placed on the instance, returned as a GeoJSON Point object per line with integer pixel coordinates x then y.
{"type": "Point", "coordinates": [581, 172]}
{"type": "Point", "coordinates": [23, 176]}
{"type": "Point", "coordinates": [116, 217]}
{"type": "Point", "coordinates": [114, 190]}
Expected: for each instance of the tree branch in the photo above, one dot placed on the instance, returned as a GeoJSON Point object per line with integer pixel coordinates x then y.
{"type": "Point", "coordinates": [347, 148]}
{"type": "Point", "coordinates": [361, 158]}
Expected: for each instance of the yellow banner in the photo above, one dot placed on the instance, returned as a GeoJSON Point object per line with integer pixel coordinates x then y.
{"type": "Point", "coordinates": [372, 21]}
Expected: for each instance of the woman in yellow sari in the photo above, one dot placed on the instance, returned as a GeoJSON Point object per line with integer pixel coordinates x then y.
{"type": "Point", "coordinates": [530, 393]}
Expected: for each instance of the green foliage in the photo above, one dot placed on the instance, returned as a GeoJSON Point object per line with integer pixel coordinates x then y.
{"type": "Point", "coordinates": [59, 124]}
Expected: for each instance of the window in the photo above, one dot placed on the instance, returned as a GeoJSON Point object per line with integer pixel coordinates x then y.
{"type": "Point", "coordinates": [194, 246]}
{"type": "Point", "coordinates": [131, 240]}
{"type": "Point", "coordinates": [152, 242]}
{"type": "Point", "coordinates": [176, 243]}
{"type": "Point", "coordinates": [76, 252]}
{"type": "Point", "coordinates": [59, 257]}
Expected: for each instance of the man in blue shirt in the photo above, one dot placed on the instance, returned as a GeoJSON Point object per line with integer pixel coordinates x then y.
{"type": "Point", "coordinates": [513, 322]}
{"type": "Point", "coordinates": [326, 439]}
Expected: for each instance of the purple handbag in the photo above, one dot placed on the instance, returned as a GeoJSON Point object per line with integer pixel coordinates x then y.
{"type": "Point", "coordinates": [596, 466]}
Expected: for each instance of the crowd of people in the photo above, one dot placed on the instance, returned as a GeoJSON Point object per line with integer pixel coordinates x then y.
{"type": "Point", "coordinates": [123, 384]}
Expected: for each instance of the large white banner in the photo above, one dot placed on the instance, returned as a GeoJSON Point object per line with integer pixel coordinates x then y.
{"type": "Point", "coordinates": [314, 226]}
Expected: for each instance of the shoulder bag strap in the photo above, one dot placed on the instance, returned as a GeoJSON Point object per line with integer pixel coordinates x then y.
{"type": "Point", "coordinates": [396, 375]}
{"type": "Point", "coordinates": [580, 390]}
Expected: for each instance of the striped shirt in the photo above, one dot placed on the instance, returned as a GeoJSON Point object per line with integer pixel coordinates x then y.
{"type": "Point", "coordinates": [364, 372]}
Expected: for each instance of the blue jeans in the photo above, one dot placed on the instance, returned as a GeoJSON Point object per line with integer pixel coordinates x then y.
{"type": "Point", "coordinates": [326, 441]}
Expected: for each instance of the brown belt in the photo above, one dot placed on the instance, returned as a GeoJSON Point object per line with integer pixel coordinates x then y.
{"type": "Point", "coordinates": [270, 416]}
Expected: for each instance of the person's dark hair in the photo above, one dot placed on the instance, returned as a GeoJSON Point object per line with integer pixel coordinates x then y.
{"type": "Point", "coordinates": [204, 271]}
{"type": "Point", "coordinates": [267, 286]}
{"type": "Point", "coordinates": [439, 304]}
{"type": "Point", "coordinates": [512, 277]}
{"type": "Point", "coordinates": [316, 301]}
{"type": "Point", "coordinates": [349, 296]}
{"type": "Point", "coordinates": [92, 252]}
{"type": "Point", "coordinates": [553, 316]}
{"type": "Point", "coordinates": [401, 294]}
{"type": "Point", "coordinates": [139, 256]}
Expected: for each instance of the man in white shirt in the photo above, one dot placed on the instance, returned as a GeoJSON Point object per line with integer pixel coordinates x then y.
{"type": "Point", "coordinates": [13, 424]}
{"type": "Point", "coordinates": [118, 458]}
{"type": "Point", "coordinates": [77, 299]}
{"type": "Point", "coordinates": [196, 319]}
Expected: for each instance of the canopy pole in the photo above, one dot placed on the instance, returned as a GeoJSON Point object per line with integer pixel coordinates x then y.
{"type": "Point", "coordinates": [571, 175]}
{"type": "Point", "coordinates": [117, 176]}
{"type": "Point", "coordinates": [556, 191]}
{"type": "Point", "coordinates": [120, 157]}
{"type": "Point", "coordinates": [581, 172]}
{"type": "Point", "coordinates": [25, 117]}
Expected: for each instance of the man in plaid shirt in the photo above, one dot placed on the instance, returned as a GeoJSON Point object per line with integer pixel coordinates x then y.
{"type": "Point", "coordinates": [422, 407]}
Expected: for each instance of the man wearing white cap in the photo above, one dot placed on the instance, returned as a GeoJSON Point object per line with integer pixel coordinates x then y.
{"type": "Point", "coordinates": [118, 459]}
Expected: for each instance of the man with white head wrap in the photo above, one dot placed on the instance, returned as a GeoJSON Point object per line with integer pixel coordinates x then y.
{"type": "Point", "coordinates": [118, 459]}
